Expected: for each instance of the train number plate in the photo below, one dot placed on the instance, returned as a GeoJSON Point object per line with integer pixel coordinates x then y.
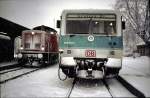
{"type": "Point", "coordinates": [90, 53]}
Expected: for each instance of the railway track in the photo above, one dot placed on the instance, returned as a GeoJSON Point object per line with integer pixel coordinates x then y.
{"type": "Point", "coordinates": [108, 88]}
{"type": "Point", "coordinates": [10, 70]}
{"type": "Point", "coordinates": [103, 88]}
{"type": "Point", "coordinates": [15, 73]}
{"type": "Point", "coordinates": [131, 88]}
{"type": "Point", "coordinates": [88, 88]}
{"type": "Point", "coordinates": [71, 89]}
{"type": "Point", "coordinates": [11, 66]}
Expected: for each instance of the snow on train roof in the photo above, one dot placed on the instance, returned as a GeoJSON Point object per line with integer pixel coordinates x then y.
{"type": "Point", "coordinates": [38, 31]}
{"type": "Point", "coordinates": [89, 11]}
{"type": "Point", "coordinates": [4, 37]}
{"type": "Point", "coordinates": [44, 28]}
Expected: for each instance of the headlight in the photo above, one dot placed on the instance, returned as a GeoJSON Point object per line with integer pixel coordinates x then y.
{"type": "Point", "coordinates": [40, 56]}
{"type": "Point", "coordinates": [19, 55]}
{"type": "Point", "coordinates": [51, 32]}
{"type": "Point", "coordinates": [33, 33]}
{"type": "Point", "coordinates": [15, 55]}
{"type": "Point", "coordinates": [21, 48]}
{"type": "Point", "coordinates": [42, 48]}
{"type": "Point", "coordinates": [61, 50]}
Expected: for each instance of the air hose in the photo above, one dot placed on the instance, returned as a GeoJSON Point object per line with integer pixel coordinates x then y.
{"type": "Point", "coordinates": [63, 79]}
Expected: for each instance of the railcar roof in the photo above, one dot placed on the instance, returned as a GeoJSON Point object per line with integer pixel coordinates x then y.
{"type": "Point", "coordinates": [38, 31]}
{"type": "Point", "coordinates": [89, 11]}
{"type": "Point", "coordinates": [44, 28]}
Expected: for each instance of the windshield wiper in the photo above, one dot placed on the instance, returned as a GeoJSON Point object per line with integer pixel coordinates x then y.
{"type": "Point", "coordinates": [90, 26]}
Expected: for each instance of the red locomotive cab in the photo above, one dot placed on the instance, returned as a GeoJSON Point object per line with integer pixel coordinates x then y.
{"type": "Point", "coordinates": [54, 40]}
{"type": "Point", "coordinates": [50, 47]}
{"type": "Point", "coordinates": [33, 40]}
{"type": "Point", "coordinates": [51, 44]}
{"type": "Point", "coordinates": [39, 46]}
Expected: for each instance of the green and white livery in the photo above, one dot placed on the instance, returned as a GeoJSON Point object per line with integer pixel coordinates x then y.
{"type": "Point", "coordinates": [91, 44]}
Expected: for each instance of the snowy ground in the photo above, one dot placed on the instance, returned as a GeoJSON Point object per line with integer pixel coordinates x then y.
{"type": "Point", "coordinates": [136, 66]}
{"type": "Point", "coordinates": [90, 89]}
{"type": "Point", "coordinates": [137, 72]}
{"type": "Point", "coordinates": [98, 89]}
{"type": "Point", "coordinates": [45, 82]}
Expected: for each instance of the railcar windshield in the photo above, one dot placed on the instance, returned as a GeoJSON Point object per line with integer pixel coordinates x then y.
{"type": "Point", "coordinates": [101, 24]}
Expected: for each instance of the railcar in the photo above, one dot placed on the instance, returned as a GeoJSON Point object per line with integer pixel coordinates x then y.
{"type": "Point", "coordinates": [6, 51]}
{"type": "Point", "coordinates": [37, 47]}
{"type": "Point", "coordinates": [91, 44]}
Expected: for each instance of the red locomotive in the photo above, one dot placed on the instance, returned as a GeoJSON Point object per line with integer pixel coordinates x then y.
{"type": "Point", "coordinates": [37, 47]}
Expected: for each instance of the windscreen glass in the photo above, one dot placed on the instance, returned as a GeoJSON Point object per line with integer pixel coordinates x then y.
{"type": "Point", "coordinates": [102, 24]}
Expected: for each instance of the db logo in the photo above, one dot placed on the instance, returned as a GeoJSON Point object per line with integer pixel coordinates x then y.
{"type": "Point", "coordinates": [90, 53]}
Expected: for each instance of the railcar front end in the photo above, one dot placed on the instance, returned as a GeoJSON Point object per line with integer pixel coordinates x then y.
{"type": "Point", "coordinates": [91, 43]}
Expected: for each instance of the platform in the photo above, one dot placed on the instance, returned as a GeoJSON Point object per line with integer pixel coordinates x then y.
{"type": "Point", "coordinates": [136, 71]}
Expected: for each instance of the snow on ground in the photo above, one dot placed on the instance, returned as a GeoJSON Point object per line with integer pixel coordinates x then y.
{"type": "Point", "coordinates": [45, 82]}
{"type": "Point", "coordinates": [140, 83]}
{"type": "Point", "coordinates": [137, 72]}
{"type": "Point", "coordinates": [90, 89]}
{"type": "Point", "coordinates": [117, 89]}
{"type": "Point", "coordinates": [42, 83]}
{"type": "Point", "coordinates": [138, 65]}
{"type": "Point", "coordinates": [14, 73]}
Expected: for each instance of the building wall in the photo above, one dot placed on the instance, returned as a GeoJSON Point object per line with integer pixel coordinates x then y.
{"type": "Point", "coordinates": [143, 50]}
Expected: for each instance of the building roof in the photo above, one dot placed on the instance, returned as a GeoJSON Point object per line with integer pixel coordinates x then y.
{"type": "Point", "coordinates": [139, 41]}
{"type": "Point", "coordinates": [10, 28]}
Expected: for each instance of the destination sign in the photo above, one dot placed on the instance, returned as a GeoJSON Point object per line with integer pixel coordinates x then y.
{"type": "Point", "coordinates": [108, 16]}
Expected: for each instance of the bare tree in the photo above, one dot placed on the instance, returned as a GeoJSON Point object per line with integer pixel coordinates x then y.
{"type": "Point", "coordinates": [134, 12]}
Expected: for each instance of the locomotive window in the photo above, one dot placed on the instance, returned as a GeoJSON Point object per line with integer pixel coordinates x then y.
{"type": "Point", "coordinates": [37, 45]}
{"type": "Point", "coordinates": [27, 45]}
{"type": "Point", "coordinates": [103, 24]}
{"type": "Point", "coordinates": [27, 41]}
{"type": "Point", "coordinates": [37, 41]}
{"type": "Point", "coordinates": [32, 41]}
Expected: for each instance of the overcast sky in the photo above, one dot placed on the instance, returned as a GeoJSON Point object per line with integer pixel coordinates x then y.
{"type": "Point", "coordinates": [31, 13]}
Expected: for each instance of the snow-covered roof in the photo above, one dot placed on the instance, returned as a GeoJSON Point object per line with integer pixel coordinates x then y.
{"type": "Point", "coordinates": [5, 37]}
{"type": "Point", "coordinates": [37, 31]}
{"type": "Point", "coordinates": [139, 41]}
